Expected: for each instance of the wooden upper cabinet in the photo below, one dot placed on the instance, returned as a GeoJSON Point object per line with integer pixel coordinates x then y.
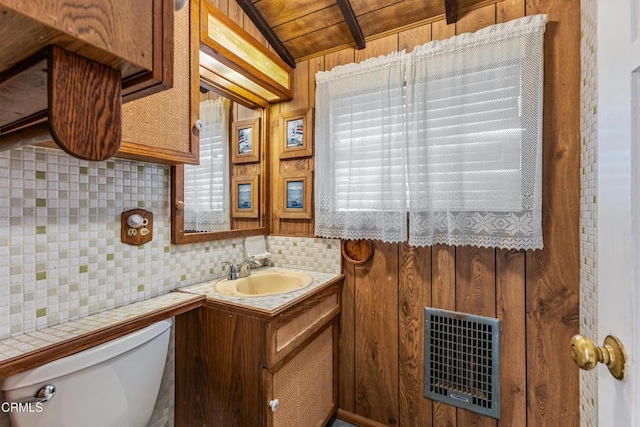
{"type": "Point", "coordinates": [162, 127]}
{"type": "Point", "coordinates": [132, 36]}
{"type": "Point", "coordinates": [117, 51]}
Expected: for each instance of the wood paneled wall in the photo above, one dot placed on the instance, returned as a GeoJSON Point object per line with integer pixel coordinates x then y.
{"type": "Point", "coordinates": [304, 90]}
{"type": "Point", "coordinates": [534, 293]}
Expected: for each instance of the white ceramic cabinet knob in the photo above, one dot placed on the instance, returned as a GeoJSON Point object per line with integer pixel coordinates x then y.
{"type": "Point", "coordinates": [274, 405]}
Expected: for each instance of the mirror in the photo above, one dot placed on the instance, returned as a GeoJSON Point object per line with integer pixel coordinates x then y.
{"type": "Point", "coordinates": [225, 195]}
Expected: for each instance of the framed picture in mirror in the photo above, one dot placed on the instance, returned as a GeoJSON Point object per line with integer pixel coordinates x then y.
{"type": "Point", "coordinates": [244, 197]}
{"type": "Point", "coordinates": [297, 195]}
{"type": "Point", "coordinates": [296, 133]}
{"type": "Point", "coordinates": [245, 146]}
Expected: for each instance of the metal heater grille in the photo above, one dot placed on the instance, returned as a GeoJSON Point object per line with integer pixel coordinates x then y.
{"type": "Point", "coordinates": [462, 356]}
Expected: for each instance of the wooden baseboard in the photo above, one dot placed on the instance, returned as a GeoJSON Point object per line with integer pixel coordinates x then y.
{"type": "Point", "coordinates": [358, 420]}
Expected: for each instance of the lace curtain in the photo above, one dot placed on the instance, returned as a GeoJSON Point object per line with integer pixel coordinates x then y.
{"type": "Point", "coordinates": [206, 186]}
{"type": "Point", "coordinates": [360, 156]}
{"type": "Point", "coordinates": [467, 130]}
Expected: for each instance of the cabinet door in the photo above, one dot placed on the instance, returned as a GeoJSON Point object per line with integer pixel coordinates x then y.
{"type": "Point", "coordinates": [128, 35]}
{"type": "Point", "coordinates": [66, 66]}
{"type": "Point", "coordinates": [302, 392]}
{"type": "Point", "coordinates": [160, 127]}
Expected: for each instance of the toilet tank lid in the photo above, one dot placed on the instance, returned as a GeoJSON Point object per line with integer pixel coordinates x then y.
{"type": "Point", "coordinates": [85, 359]}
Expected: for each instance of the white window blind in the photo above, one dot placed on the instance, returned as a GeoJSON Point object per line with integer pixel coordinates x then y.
{"type": "Point", "coordinates": [468, 150]}
{"type": "Point", "coordinates": [360, 160]}
{"type": "Point", "coordinates": [206, 189]}
{"type": "Point", "coordinates": [463, 141]}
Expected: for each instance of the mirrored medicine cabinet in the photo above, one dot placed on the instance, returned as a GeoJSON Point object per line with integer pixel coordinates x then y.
{"type": "Point", "coordinates": [226, 194]}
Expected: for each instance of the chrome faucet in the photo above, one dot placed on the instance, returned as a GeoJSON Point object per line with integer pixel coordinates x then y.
{"type": "Point", "coordinates": [239, 270]}
{"type": "Point", "coordinates": [234, 270]}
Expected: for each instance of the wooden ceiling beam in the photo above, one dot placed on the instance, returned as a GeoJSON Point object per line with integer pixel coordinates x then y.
{"type": "Point", "coordinates": [450, 11]}
{"type": "Point", "coordinates": [263, 26]}
{"type": "Point", "coordinates": [352, 22]}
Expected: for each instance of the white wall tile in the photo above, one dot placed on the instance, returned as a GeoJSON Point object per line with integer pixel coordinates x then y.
{"type": "Point", "coordinates": [60, 252]}
{"type": "Point", "coordinates": [588, 204]}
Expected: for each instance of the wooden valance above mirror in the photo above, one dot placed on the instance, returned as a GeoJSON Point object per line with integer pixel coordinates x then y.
{"type": "Point", "coordinates": [237, 66]}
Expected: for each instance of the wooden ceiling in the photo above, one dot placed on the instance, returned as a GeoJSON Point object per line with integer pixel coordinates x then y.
{"type": "Point", "coordinates": [308, 27]}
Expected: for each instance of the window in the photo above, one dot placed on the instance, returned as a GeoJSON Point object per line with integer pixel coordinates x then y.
{"type": "Point", "coordinates": [450, 134]}
{"type": "Point", "coordinates": [361, 186]}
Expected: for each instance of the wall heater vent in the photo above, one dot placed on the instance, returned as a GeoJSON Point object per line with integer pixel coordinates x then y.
{"type": "Point", "coordinates": [462, 360]}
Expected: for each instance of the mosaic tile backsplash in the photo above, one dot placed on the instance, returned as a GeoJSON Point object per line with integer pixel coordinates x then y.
{"type": "Point", "coordinates": [321, 255]}
{"type": "Point", "coordinates": [60, 252]}
{"type": "Point", "coordinates": [588, 203]}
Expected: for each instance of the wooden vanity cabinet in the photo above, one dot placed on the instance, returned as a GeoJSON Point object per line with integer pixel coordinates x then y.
{"type": "Point", "coordinates": [242, 367]}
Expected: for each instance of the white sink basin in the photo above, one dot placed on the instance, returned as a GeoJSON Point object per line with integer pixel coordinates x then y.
{"type": "Point", "coordinates": [268, 282]}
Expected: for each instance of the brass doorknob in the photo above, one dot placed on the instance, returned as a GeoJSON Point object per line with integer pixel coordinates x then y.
{"type": "Point", "coordinates": [587, 355]}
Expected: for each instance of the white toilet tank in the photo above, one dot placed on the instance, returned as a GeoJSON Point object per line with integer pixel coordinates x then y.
{"type": "Point", "coordinates": [114, 384]}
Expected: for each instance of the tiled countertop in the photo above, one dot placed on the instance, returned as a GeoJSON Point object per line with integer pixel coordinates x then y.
{"type": "Point", "coordinates": [39, 347]}
{"type": "Point", "coordinates": [268, 304]}
{"type": "Point", "coordinates": [70, 337]}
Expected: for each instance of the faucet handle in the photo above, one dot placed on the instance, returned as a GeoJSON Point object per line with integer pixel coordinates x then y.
{"type": "Point", "coordinates": [253, 261]}
{"type": "Point", "coordinates": [245, 266]}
